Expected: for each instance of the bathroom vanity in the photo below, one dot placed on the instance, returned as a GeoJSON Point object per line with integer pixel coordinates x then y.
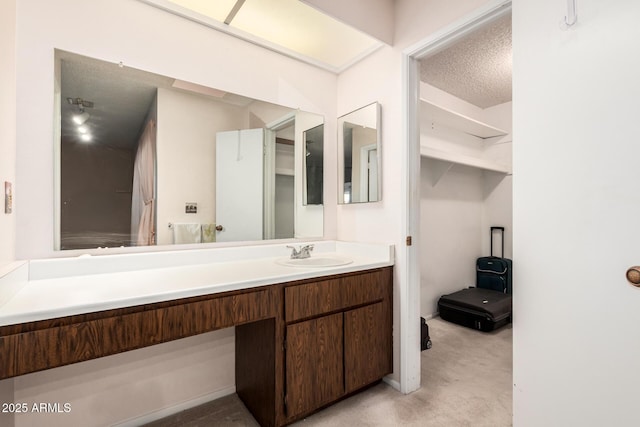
{"type": "Point", "coordinates": [305, 336]}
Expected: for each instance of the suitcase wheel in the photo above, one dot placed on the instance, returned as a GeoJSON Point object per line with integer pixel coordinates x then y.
{"type": "Point", "coordinates": [428, 344]}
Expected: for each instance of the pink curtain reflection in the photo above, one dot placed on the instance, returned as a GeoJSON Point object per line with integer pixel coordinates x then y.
{"type": "Point", "coordinates": [143, 203]}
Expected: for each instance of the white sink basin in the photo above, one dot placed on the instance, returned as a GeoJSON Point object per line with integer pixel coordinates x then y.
{"type": "Point", "coordinates": [315, 261]}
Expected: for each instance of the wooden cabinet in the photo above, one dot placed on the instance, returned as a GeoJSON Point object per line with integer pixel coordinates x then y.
{"type": "Point", "coordinates": [314, 369]}
{"type": "Point", "coordinates": [299, 345]}
{"type": "Point", "coordinates": [367, 346]}
{"type": "Point", "coordinates": [338, 338]}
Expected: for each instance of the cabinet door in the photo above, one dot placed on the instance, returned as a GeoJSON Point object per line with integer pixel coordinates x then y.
{"type": "Point", "coordinates": [314, 368]}
{"type": "Point", "coordinates": [367, 340]}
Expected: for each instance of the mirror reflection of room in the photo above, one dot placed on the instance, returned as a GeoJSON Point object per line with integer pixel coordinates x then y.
{"type": "Point", "coordinates": [139, 161]}
{"type": "Point", "coordinates": [359, 164]}
{"type": "Point", "coordinates": [314, 165]}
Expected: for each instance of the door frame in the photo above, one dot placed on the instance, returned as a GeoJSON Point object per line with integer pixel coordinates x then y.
{"type": "Point", "coordinates": [365, 150]}
{"type": "Point", "coordinates": [268, 203]}
{"type": "Point", "coordinates": [410, 268]}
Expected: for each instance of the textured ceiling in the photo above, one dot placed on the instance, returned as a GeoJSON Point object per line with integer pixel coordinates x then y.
{"type": "Point", "coordinates": [122, 98]}
{"type": "Point", "coordinates": [477, 68]}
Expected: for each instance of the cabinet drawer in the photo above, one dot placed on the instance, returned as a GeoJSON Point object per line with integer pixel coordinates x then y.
{"type": "Point", "coordinates": [364, 288]}
{"type": "Point", "coordinates": [51, 347]}
{"type": "Point", "coordinates": [313, 299]}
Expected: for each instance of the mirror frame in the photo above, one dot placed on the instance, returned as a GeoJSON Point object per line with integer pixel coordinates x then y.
{"type": "Point", "coordinates": [341, 157]}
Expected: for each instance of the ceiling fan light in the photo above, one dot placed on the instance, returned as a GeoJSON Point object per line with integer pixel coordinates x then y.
{"type": "Point", "coordinates": [81, 118]}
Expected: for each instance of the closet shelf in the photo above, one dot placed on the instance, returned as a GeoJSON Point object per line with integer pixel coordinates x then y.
{"type": "Point", "coordinates": [463, 159]}
{"type": "Point", "coordinates": [285, 171]}
{"type": "Point", "coordinates": [451, 119]}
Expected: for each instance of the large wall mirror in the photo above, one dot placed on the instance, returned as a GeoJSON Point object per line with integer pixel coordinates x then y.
{"type": "Point", "coordinates": [144, 159]}
{"type": "Point", "coordinates": [359, 172]}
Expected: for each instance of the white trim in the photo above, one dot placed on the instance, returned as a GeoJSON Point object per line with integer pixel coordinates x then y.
{"type": "Point", "coordinates": [449, 34]}
{"type": "Point", "coordinates": [364, 169]}
{"type": "Point", "coordinates": [269, 182]}
{"type": "Point", "coordinates": [391, 382]}
{"type": "Point", "coordinates": [409, 270]}
{"type": "Point", "coordinates": [431, 316]}
{"type": "Point", "coordinates": [269, 210]}
{"type": "Point", "coordinates": [282, 122]}
{"type": "Point", "coordinates": [171, 410]}
{"type": "Point", "coordinates": [199, 18]}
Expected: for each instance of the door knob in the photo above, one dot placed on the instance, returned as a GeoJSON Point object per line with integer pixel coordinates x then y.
{"type": "Point", "coordinates": [218, 228]}
{"type": "Point", "coordinates": [633, 275]}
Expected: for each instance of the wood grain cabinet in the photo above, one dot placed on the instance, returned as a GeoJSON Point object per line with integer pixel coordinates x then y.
{"type": "Point", "coordinates": [367, 346]}
{"type": "Point", "coordinates": [314, 363]}
{"type": "Point", "coordinates": [338, 339]}
{"type": "Point", "coordinates": [299, 345]}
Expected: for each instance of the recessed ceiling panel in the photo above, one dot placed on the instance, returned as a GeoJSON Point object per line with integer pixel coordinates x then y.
{"type": "Point", "coordinates": [288, 26]}
{"type": "Point", "coordinates": [303, 29]}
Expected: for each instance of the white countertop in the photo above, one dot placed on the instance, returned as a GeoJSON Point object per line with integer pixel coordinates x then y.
{"type": "Point", "coordinates": [90, 286]}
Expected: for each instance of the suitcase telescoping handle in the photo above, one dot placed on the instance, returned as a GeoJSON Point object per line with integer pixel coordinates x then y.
{"type": "Point", "coordinates": [501, 230]}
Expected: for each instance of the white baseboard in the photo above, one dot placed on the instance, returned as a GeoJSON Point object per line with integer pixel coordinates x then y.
{"type": "Point", "coordinates": [165, 412]}
{"type": "Point", "coordinates": [393, 383]}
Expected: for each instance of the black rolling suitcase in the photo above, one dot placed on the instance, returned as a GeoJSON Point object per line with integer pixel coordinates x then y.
{"type": "Point", "coordinates": [487, 306]}
{"type": "Point", "coordinates": [494, 272]}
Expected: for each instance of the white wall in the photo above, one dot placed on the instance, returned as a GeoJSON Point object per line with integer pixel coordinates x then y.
{"type": "Point", "coordinates": [450, 232]}
{"type": "Point", "coordinates": [459, 207]}
{"type": "Point", "coordinates": [7, 125]}
{"type": "Point", "coordinates": [377, 22]}
{"type": "Point", "coordinates": [146, 38]}
{"type": "Point", "coordinates": [576, 210]}
{"type": "Point", "coordinates": [7, 158]}
{"type": "Point", "coordinates": [186, 156]}
{"type": "Point", "coordinates": [127, 386]}
{"type": "Point", "coordinates": [498, 189]}
{"type": "Point", "coordinates": [379, 78]}
{"type": "Point", "coordinates": [189, 52]}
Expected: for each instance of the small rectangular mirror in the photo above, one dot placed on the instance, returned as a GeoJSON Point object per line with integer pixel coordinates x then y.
{"type": "Point", "coordinates": [359, 156]}
{"type": "Point", "coordinates": [313, 165]}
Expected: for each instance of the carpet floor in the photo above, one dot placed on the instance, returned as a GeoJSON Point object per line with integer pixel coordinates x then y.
{"type": "Point", "coordinates": [466, 380]}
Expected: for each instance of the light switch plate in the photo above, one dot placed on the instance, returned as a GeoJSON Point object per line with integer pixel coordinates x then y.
{"type": "Point", "coordinates": [191, 207]}
{"type": "Point", "coordinates": [8, 197]}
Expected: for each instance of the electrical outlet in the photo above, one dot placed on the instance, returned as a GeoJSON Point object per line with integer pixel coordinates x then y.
{"type": "Point", "coordinates": [8, 198]}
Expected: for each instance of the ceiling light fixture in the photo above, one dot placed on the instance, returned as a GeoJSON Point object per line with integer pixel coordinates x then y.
{"type": "Point", "coordinates": [81, 117]}
{"type": "Point", "coordinates": [83, 129]}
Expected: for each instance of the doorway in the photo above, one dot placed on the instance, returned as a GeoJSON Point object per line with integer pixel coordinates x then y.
{"type": "Point", "coordinates": [411, 302]}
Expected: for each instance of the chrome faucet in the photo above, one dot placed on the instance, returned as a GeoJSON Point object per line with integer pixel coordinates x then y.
{"type": "Point", "coordinates": [302, 253]}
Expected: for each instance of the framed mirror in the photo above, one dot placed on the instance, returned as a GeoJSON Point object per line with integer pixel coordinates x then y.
{"type": "Point", "coordinates": [145, 159]}
{"type": "Point", "coordinates": [359, 160]}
